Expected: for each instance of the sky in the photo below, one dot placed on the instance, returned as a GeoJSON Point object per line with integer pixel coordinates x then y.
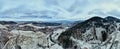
{"type": "Point", "coordinates": [52, 10]}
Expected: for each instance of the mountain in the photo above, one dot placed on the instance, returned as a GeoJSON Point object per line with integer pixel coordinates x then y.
{"type": "Point", "coordinates": [89, 31]}
{"type": "Point", "coordinates": [112, 19]}
{"type": "Point", "coordinates": [46, 24]}
{"type": "Point", "coordinates": [31, 22]}
{"type": "Point", "coordinates": [88, 22]}
{"type": "Point", "coordinates": [7, 22]}
{"type": "Point", "coordinates": [38, 23]}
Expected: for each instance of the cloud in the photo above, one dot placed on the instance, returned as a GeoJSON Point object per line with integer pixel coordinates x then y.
{"type": "Point", "coordinates": [58, 9]}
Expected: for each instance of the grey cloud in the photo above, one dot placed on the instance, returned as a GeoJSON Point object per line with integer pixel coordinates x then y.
{"type": "Point", "coordinates": [114, 12]}
{"type": "Point", "coordinates": [55, 8]}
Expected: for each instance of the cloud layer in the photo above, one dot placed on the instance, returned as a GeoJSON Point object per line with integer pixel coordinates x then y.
{"type": "Point", "coordinates": [45, 10]}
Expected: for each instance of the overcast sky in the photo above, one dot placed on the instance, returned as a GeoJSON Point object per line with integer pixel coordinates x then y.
{"type": "Point", "coordinates": [46, 10]}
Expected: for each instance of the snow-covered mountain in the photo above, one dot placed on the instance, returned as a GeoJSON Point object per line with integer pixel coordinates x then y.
{"type": "Point", "coordinates": [96, 32]}
{"type": "Point", "coordinates": [112, 19]}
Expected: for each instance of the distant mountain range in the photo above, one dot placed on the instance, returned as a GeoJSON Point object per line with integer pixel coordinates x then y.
{"type": "Point", "coordinates": [43, 23]}
{"type": "Point", "coordinates": [30, 22]}
{"type": "Point", "coordinates": [7, 22]}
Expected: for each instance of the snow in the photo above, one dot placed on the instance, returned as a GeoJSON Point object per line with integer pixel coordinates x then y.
{"type": "Point", "coordinates": [56, 46]}
{"type": "Point", "coordinates": [30, 39]}
{"type": "Point", "coordinates": [30, 25]}
{"type": "Point", "coordinates": [2, 26]}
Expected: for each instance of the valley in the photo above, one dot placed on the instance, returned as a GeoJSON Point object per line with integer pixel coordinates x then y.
{"type": "Point", "coordinates": [94, 33]}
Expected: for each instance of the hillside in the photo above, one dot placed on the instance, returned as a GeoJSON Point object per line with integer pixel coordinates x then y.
{"type": "Point", "coordinates": [94, 31]}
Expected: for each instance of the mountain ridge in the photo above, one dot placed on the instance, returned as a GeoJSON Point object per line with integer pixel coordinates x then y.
{"type": "Point", "coordinates": [77, 31]}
